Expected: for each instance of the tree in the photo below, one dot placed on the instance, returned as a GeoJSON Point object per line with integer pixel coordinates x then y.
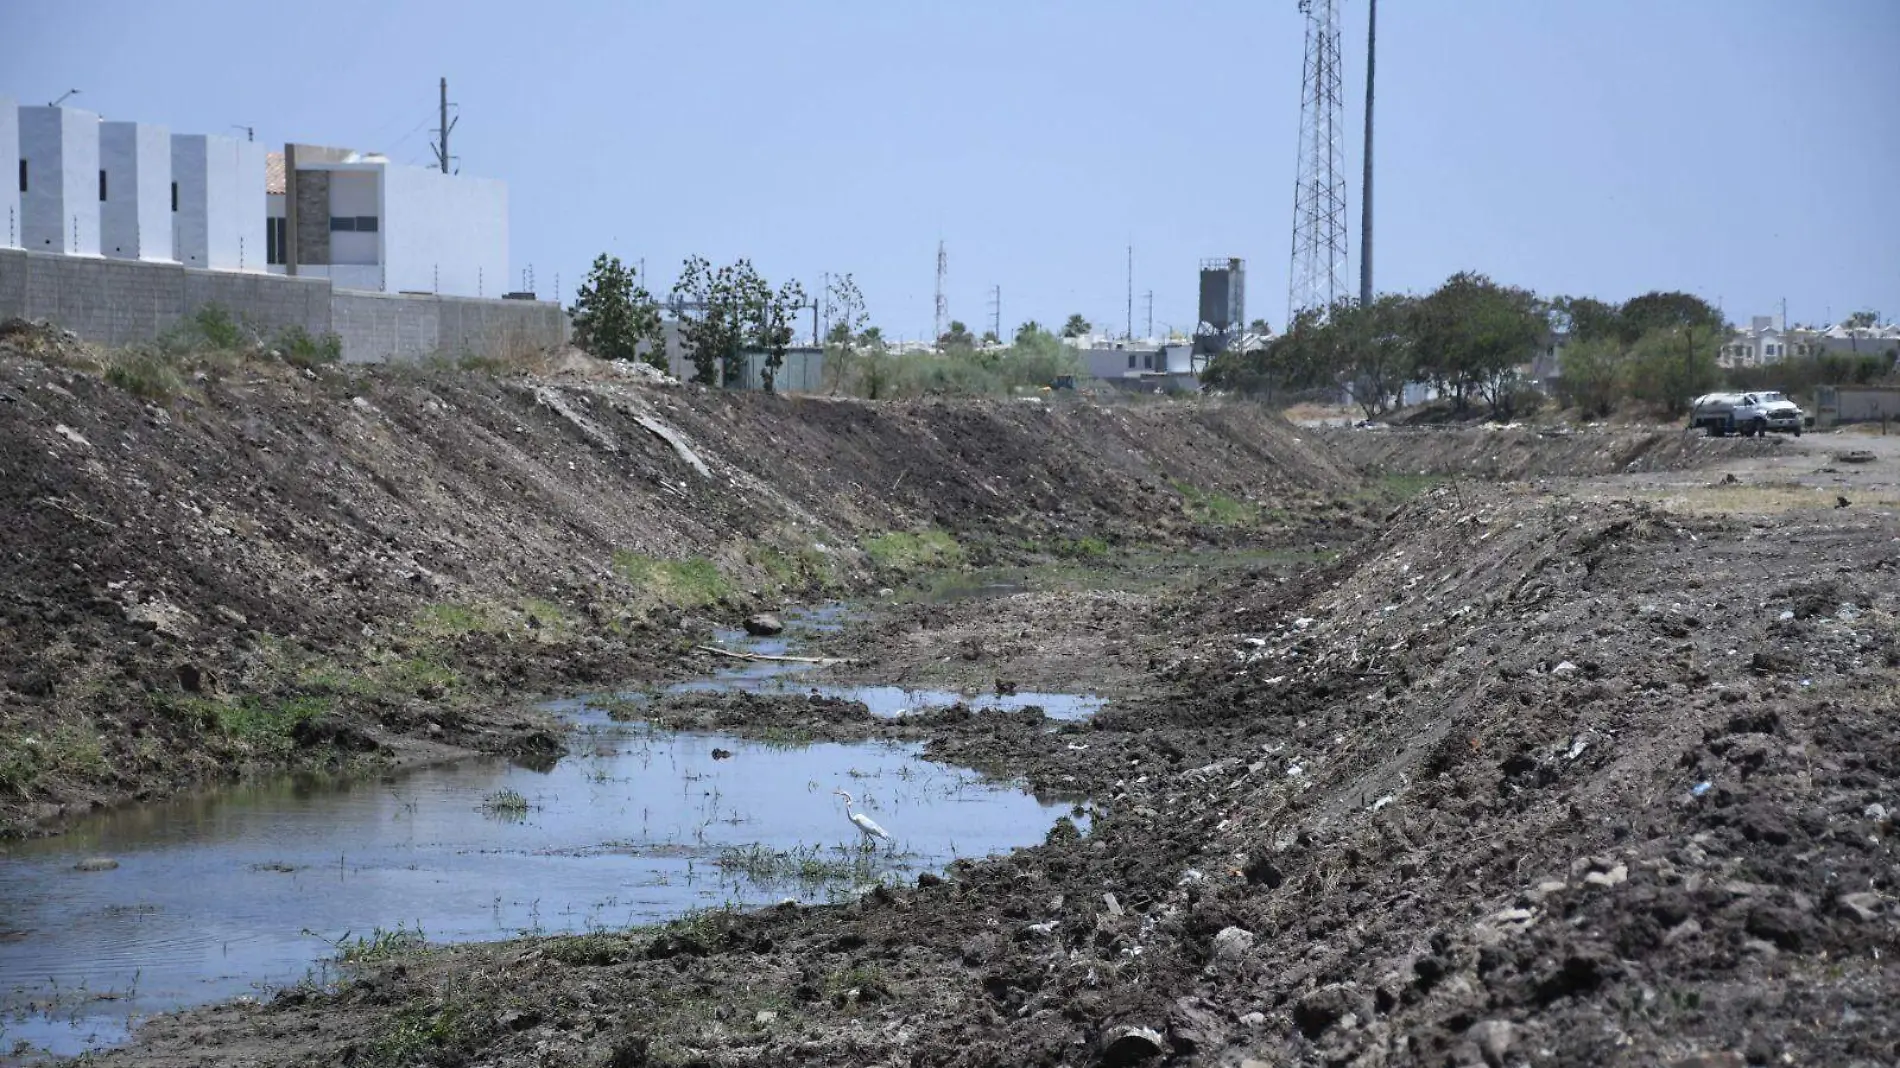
{"type": "Point", "coordinates": [1657, 323]}
{"type": "Point", "coordinates": [1259, 327]}
{"type": "Point", "coordinates": [1472, 333]}
{"type": "Point", "coordinates": [1029, 329]}
{"type": "Point", "coordinates": [613, 316]}
{"type": "Point", "coordinates": [1373, 350]}
{"type": "Point", "coordinates": [1584, 318]}
{"type": "Point", "coordinates": [1076, 326]}
{"type": "Point", "coordinates": [1862, 320]}
{"type": "Point", "coordinates": [714, 307]}
{"type": "Point", "coordinates": [845, 337]}
{"type": "Point", "coordinates": [775, 316]}
{"type": "Point", "coordinates": [1594, 374]}
{"type": "Point", "coordinates": [957, 337]}
{"type": "Point", "coordinates": [989, 338]}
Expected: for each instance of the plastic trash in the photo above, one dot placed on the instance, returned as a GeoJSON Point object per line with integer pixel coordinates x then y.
{"type": "Point", "coordinates": [1700, 788]}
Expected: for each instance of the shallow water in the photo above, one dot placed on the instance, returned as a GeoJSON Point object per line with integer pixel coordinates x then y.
{"type": "Point", "coordinates": [243, 890]}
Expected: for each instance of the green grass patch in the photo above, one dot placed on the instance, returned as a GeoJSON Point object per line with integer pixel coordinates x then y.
{"type": "Point", "coordinates": [594, 949]}
{"type": "Point", "coordinates": [1397, 488]}
{"type": "Point", "coordinates": [264, 725]}
{"type": "Point", "coordinates": [691, 583]}
{"type": "Point", "coordinates": [381, 944]}
{"type": "Point", "coordinates": [20, 765]}
{"type": "Point", "coordinates": [904, 552]}
{"type": "Point", "coordinates": [806, 866]}
{"type": "Point", "coordinates": [507, 804]}
{"type": "Point", "coordinates": [1217, 509]}
{"type": "Point", "coordinates": [803, 568]}
{"type": "Point", "coordinates": [1084, 548]}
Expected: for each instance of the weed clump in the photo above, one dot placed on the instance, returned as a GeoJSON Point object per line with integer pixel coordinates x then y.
{"type": "Point", "coordinates": [903, 552]}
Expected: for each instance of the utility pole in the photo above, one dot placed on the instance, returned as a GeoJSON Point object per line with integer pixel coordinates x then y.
{"type": "Point", "coordinates": [824, 300]}
{"type": "Point", "coordinates": [442, 146]}
{"type": "Point", "coordinates": [1365, 193]}
{"type": "Point", "coordinates": [1128, 327]}
{"type": "Point", "coordinates": [1151, 312]}
{"type": "Point", "coordinates": [943, 305]}
{"type": "Point", "coordinates": [996, 311]}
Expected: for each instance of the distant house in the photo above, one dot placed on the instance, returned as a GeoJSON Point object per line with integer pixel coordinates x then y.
{"type": "Point", "coordinates": [1140, 365]}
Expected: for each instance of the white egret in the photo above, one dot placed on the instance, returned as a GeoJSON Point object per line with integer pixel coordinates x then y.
{"type": "Point", "coordinates": [861, 821]}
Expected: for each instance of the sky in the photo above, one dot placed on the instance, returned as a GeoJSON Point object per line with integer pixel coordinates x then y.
{"type": "Point", "coordinates": [1744, 150]}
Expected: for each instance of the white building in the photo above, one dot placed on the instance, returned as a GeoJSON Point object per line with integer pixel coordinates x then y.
{"type": "Point", "coordinates": [132, 191]}
{"type": "Point", "coordinates": [218, 222]}
{"type": "Point", "coordinates": [365, 223]}
{"type": "Point", "coordinates": [135, 183]}
{"type": "Point", "coordinates": [59, 180]}
{"type": "Point", "coordinates": [9, 167]}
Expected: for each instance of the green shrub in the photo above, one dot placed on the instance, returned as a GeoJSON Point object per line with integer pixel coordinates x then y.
{"type": "Point", "coordinates": [216, 327]}
{"type": "Point", "coordinates": [145, 374]}
{"type": "Point", "coordinates": [301, 349]}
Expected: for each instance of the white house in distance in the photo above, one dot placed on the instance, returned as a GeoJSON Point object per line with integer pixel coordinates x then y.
{"type": "Point", "coordinates": [131, 190]}
{"type": "Point", "coordinates": [366, 223]}
{"type": "Point", "coordinates": [9, 167]}
{"type": "Point", "coordinates": [59, 180]}
{"type": "Point", "coordinates": [218, 202]}
{"type": "Point", "coordinates": [135, 191]}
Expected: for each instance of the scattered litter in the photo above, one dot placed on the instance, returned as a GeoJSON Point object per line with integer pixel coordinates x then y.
{"type": "Point", "coordinates": [1382, 802]}
{"type": "Point", "coordinates": [1701, 788]}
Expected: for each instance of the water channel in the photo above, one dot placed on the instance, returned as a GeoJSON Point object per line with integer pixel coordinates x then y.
{"type": "Point", "coordinates": [240, 891]}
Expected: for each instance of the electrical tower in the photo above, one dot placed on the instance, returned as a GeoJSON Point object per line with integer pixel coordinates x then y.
{"type": "Point", "coordinates": [943, 304]}
{"type": "Point", "coordinates": [996, 311]}
{"type": "Point", "coordinates": [1319, 193]}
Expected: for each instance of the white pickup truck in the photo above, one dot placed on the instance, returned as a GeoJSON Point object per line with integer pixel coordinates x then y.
{"type": "Point", "coordinates": [1747, 414]}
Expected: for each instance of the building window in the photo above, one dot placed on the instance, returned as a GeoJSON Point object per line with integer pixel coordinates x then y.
{"type": "Point", "coordinates": [353, 224]}
{"type": "Point", "coordinates": [276, 240]}
{"type": "Point", "coordinates": [174, 196]}
{"type": "Point", "coordinates": [1131, 361]}
{"type": "Point", "coordinates": [22, 176]}
{"type": "Point", "coordinates": [102, 185]}
{"type": "Point", "coordinates": [366, 224]}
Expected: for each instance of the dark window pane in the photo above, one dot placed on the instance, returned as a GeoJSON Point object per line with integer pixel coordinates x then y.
{"type": "Point", "coordinates": [366, 224]}
{"type": "Point", "coordinates": [174, 196]}
{"type": "Point", "coordinates": [342, 223]}
{"type": "Point", "coordinates": [102, 185]}
{"type": "Point", "coordinates": [22, 176]}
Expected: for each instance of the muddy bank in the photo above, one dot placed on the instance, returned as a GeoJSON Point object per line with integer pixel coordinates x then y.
{"type": "Point", "coordinates": [1514, 781]}
{"type": "Point", "coordinates": [331, 567]}
{"type": "Point", "coordinates": [1521, 453]}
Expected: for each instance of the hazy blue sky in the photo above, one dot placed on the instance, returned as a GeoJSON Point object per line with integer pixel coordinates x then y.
{"type": "Point", "coordinates": [1745, 150]}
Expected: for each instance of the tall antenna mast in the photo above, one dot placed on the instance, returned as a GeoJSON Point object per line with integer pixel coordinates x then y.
{"type": "Point", "coordinates": [442, 146]}
{"type": "Point", "coordinates": [1365, 186]}
{"type": "Point", "coordinates": [1151, 313]}
{"type": "Point", "coordinates": [943, 305]}
{"type": "Point", "coordinates": [996, 311]}
{"type": "Point", "coordinates": [1128, 329]}
{"type": "Point", "coordinates": [1319, 193]}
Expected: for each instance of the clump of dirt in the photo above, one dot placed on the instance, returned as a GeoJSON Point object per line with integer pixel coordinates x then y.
{"type": "Point", "coordinates": [1514, 780]}
{"type": "Point", "coordinates": [1524, 453]}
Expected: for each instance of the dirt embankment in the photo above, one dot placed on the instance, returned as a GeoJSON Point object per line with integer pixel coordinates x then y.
{"type": "Point", "coordinates": [324, 567]}
{"type": "Point", "coordinates": [1520, 453]}
{"type": "Point", "coordinates": [1567, 780]}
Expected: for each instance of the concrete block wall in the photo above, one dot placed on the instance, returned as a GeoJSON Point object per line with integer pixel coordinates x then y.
{"type": "Point", "coordinates": [120, 302]}
{"type": "Point", "coordinates": [379, 327]}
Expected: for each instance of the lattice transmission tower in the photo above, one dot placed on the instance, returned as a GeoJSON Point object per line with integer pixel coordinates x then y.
{"type": "Point", "coordinates": [1319, 194]}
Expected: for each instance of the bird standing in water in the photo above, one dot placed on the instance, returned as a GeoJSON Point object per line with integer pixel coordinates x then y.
{"type": "Point", "coordinates": [863, 822]}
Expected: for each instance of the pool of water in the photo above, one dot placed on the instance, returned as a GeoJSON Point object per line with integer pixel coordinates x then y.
{"type": "Point", "coordinates": [792, 678]}
{"type": "Point", "coordinates": [241, 891]}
